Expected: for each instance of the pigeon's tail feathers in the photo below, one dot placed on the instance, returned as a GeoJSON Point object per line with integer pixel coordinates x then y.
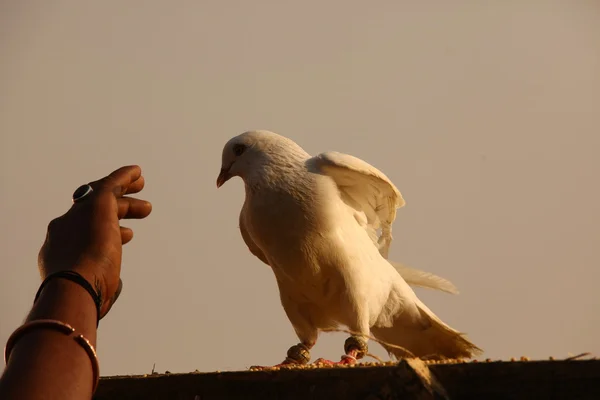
{"type": "Point", "coordinates": [415, 277]}
{"type": "Point", "coordinates": [432, 339]}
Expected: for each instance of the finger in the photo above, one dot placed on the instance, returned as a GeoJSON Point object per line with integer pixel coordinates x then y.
{"type": "Point", "coordinates": [119, 180]}
{"type": "Point", "coordinates": [136, 186]}
{"type": "Point", "coordinates": [132, 208]}
{"type": "Point", "coordinates": [126, 235]}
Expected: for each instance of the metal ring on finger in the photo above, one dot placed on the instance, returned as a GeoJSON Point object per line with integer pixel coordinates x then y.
{"type": "Point", "coordinates": [82, 192]}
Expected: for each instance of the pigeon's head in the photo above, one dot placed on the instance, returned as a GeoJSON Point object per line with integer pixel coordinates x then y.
{"type": "Point", "coordinates": [247, 153]}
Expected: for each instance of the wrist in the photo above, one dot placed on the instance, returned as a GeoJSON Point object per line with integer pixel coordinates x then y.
{"type": "Point", "coordinates": [107, 291]}
{"type": "Point", "coordinates": [77, 278]}
{"type": "Point", "coordinates": [68, 302]}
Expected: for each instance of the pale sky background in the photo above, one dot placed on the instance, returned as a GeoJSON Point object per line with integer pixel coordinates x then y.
{"type": "Point", "coordinates": [485, 114]}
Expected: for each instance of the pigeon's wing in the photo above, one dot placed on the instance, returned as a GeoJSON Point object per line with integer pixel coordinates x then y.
{"type": "Point", "coordinates": [375, 200]}
{"type": "Point", "coordinates": [368, 191]}
{"type": "Point", "coordinates": [254, 249]}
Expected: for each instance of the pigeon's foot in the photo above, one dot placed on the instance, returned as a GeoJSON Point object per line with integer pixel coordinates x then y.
{"type": "Point", "coordinates": [355, 348]}
{"type": "Point", "coordinates": [347, 359]}
{"type": "Point", "coordinates": [296, 355]}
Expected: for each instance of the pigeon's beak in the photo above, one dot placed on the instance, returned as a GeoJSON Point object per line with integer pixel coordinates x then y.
{"type": "Point", "coordinates": [223, 177]}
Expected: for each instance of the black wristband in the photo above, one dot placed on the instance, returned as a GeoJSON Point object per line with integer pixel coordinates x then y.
{"type": "Point", "coordinates": [78, 279]}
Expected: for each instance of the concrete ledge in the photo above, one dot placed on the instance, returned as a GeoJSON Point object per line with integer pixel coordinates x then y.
{"type": "Point", "coordinates": [408, 379]}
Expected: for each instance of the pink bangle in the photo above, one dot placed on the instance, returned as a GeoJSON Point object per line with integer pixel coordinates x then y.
{"type": "Point", "coordinates": [60, 327]}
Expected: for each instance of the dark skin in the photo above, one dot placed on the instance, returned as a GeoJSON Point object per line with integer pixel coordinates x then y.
{"type": "Point", "coordinates": [87, 239]}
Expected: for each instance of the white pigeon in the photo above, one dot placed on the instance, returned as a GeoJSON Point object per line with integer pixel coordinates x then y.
{"type": "Point", "coordinates": [324, 226]}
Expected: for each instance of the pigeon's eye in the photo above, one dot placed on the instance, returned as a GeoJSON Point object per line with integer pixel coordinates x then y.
{"type": "Point", "coordinates": [238, 149]}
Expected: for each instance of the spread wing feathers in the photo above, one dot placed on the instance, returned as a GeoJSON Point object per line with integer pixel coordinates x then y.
{"type": "Point", "coordinates": [254, 249]}
{"type": "Point", "coordinates": [375, 200]}
{"type": "Point", "coordinates": [415, 277]}
{"type": "Point", "coordinates": [368, 191]}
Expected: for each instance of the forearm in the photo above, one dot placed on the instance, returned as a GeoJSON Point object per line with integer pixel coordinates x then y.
{"type": "Point", "coordinates": [48, 364]}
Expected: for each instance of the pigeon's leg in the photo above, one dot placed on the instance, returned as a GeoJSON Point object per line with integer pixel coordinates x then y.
{"type": "Point", "coordinates": [355, 347]}
{"type": "Point", "coordinates": [300, 353]}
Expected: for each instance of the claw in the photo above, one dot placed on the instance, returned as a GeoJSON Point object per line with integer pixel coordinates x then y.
{"type": "Point", "coordinates": [346, 360]}
{"type": "Point", "coordinates": [355, 348]}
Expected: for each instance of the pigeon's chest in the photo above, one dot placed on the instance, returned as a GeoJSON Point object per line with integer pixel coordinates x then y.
{"type": "Point", "coordinates": [277, 217]}
{"type": "Point", "coordinates": [281, 225]}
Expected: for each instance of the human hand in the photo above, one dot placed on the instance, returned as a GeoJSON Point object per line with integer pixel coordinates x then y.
{"type": "Point", "coordinates": [88, 238]}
